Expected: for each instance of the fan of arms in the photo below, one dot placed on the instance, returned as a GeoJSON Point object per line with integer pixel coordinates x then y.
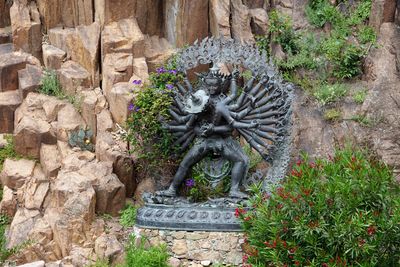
{"type": "Point", "coordinates": [217, 107]}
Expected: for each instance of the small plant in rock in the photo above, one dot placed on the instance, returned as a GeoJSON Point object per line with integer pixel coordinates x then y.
{"type": "Point", "coordinates": [50, 84]}
{"type": "Point", "coordinates": [128, 216]}
{"type": "Point", "coordinates": [362, 119]}
{"type": "Point", "coordinates": [341, 211]}
{"type": "Point", "coordinates": [156, 256]}
{"type": "Point", "coordinates": [329, 93]}
{"type": "Point", "coordinates": [359, 96]}
{"type": "Point", "coordinates": [7, 151]}
{"type": "Point", "coordinates": [81, 138]}
{"type": "Point", "coordinates": [332, 114]}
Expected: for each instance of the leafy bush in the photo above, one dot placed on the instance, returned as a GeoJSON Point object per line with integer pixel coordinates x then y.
{"type": "Point", "coordinates": [359, 96]}
{"type": "Point", "coordinates": [329, 93]}
{"type": "Point", "coordinates": [52, 87]}
{"type": "Point", "coordinates": [50, 84]}
{"type": "Point", "coordinates": [7, 151]}
{"type": "Point", "coordinates": [156, 256]}
{"type": "Point", "coordinates": [282, 31]}
{"type": "Point", "coordinates": [341, 211]}
{"type": "Point", "coordinates": [128, 216]}
{"type": "Point", "coordinates": [151, 104]}
{"type": "Point", "coordinates": [5, 253]}
{"type": "Point", "coordinates": [329, 56]}
{"type": "Point", "coordinates": [332, 114]}
{"type": "Point", "coordinates": [367, 34]}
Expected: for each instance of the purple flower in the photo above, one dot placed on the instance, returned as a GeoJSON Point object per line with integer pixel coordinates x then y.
{"type": "Point", "coordinates": [137, 82]}
{"type": "Point", "coordinates": [172, 72]}
{"type": "Point", "coordinates": [132, 107]}
{"type": "Point", "coordinates": [169, 86]}
{"type": "Point", "coordinates": [161, 70]}
{"type": "Point", "coordinates": [190, 183]}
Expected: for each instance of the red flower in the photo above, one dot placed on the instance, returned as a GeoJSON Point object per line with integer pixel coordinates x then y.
{"type": "Point", "coordinates": [279, 206]}
{"type": "Point", "coordinates": [293, 250]}
{"type": "Point", "coordinates": [313, 165]}
{"type": "Point", "coordinates": [306, 192]}
{"type": "Point", "coordinates": [245, 258]}
{"type": "Point", "coordinates": [361, 242]}
{"type": "Point", "coordinates": [239, 211]}
{"type": "Point", "coordinates": [248, 218]}
{"type": "Point", "coordinates": [297, 173]}
{"type": "Point", "coordinates": [371, 230]}
{"type": "Point", "coordinates": [299, 162]}
{"type": "Point", "coordinates": [324, 265]}
{"type": "Point", "coordinates": [297, 263]}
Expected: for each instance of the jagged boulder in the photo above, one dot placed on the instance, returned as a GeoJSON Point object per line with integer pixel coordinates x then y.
{"type": "Point", "coordinates": [119, 99]}
{"type": "Point", "coordinates": [117, 67]}
{"type": "Point", "coordinates": [29, 80]}
{"type": "Point", "coordinates": [8, 204]}
{"type": "Point", "coordinates": [185, 21]}
{"type": "Point", "coordinates": [27, 34]}
{"type": "Point", "coordinates": [108, 247]}
{"type": "Point", "coordinates": [84, 47]}
{"type": "Point", "coordinates": [9, 102]}
{"type": "Point", "coordinates": [16, 172]}
{"type": "Point", "coordinates": [21, 225]}
{"type": "Point", "coordinates": [53, 57]}
{"type": "Point", "coordinates": [219, 18]}
{"type": "Point", "coordinates": [123, 36]}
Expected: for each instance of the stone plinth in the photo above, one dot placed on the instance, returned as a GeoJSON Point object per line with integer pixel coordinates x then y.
{"type": "Point", "coordinates": [198, 247]}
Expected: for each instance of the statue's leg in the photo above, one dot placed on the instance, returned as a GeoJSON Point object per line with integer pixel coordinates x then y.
{"type": "Point", "coordinates": [194, 155]}
{"type": "Point", "coordinates": [234, 152]}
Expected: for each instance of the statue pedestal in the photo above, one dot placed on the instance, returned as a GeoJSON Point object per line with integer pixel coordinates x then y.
{"type": "Point", "coordinates": [198, 246]}
{"type": "Point", "coordinates": [190, 218]}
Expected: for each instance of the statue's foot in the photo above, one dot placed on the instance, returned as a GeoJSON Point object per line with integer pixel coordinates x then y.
{"type": "Point", "coordinates": [170, 192]}
{"type": "Point", "coordinates": [238, 194]}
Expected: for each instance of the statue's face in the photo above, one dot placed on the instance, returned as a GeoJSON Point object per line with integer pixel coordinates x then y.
{"type": "Point", "coordinates": [213, 85]}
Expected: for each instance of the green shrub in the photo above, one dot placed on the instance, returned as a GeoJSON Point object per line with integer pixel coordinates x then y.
{"type": "Point", "coordinates": [99, 263]}
{"type": "Point", "coordinates": [50, 84]}
{"type": "Point", "coordinates": [52, 87]}
{"type": "Point", "coordinates": [361, 119]}
{"type": "Point", "coordinates": [128, 216]}
{"type": "Point", "coordinates": [329, 93]}
{"type": "Point", "coordinates": [342, 211]}
{"type": "Point", "coordinates": [156, 256]}
{"type": "Point", "coordinates": [282, 31]}
{"type": "Point", "coordinates": [359, 96]}
{"type": "Point", "coordinates": [7, 151]}
{"type": "Point", "coordinates": [151, 104]}
{"type": "Point", "coordinates": [332, 114]}
{"type": "Point", "coordinates": [366, 34]}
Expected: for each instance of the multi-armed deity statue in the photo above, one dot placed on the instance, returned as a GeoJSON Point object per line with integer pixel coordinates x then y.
{"type": "Point", "coordinates": [210, 118]}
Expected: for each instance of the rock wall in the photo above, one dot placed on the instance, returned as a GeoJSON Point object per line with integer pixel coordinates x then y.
{"type": "Point", "coordinates": [97, 48]}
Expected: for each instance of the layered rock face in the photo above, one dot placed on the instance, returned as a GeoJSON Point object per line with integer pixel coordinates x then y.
{"type": "Point", "coordinates": [97, 48]}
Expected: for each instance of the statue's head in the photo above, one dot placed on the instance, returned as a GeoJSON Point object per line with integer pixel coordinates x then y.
{"type": "Point", "coordinates": [213, 81]}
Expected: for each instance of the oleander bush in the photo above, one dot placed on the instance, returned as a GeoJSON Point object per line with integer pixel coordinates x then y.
{"type": "Point", "coordinates": [341, 211]}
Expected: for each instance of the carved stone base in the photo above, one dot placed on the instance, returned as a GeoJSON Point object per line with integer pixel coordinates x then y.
{"type": "Point", "coordinates": [190, 218]}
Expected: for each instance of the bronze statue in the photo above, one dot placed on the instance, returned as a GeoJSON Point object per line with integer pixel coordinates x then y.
{"type": "Point", "coordinates": [211, 114]}
{"type": "Point", "coordinates": [208, 119]}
